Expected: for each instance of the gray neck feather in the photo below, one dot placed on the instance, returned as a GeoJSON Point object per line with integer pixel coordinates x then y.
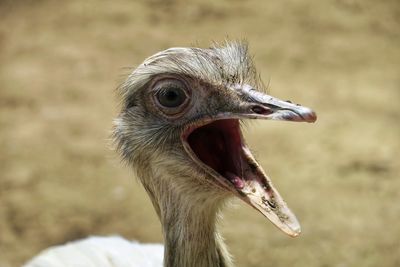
{"type": "Point", "coordinates": [189, 221]}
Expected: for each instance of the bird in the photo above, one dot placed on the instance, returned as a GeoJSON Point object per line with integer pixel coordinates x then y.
{"type": "Point", "coordinates": [180, 127]}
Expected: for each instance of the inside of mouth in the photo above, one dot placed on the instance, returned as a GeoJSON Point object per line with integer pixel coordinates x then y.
{"type": "Point", "coordinates": [219, 146]}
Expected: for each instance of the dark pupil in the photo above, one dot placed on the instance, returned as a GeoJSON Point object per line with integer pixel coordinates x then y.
{"type": "Point", "coordinates": [171, 97]}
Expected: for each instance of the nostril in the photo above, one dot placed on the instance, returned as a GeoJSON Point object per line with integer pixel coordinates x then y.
{"type": "Point", "coordinates": [261, 110]}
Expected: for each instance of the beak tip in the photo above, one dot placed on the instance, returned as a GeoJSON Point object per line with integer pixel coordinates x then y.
{"type": "Point", "coordinates": [295, 234]}
{"type": "Point", "coordinates": [306, 114]}
{"type": "Point", "coordinates": [297, 231]}
{"type": "Point", "coordinates": [295, 228]}
{"type": "Point", "coordinates": [311, 116]}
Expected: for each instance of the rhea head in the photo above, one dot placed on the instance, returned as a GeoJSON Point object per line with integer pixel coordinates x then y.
{"type": "Point", "coordinates": [180, 129]}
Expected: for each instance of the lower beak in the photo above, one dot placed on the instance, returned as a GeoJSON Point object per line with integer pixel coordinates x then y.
{"type": "Point", "coordinates": [259, 192]}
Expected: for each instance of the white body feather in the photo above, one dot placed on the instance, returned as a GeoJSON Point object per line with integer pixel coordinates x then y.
{"type": "Point", "coordinates": [101, 252]}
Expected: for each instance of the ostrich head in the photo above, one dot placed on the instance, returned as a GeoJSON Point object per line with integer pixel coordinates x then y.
{"type": "Point", "coordinates": [180, 129]}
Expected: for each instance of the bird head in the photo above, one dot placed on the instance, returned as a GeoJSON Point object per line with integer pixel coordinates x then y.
{"type": "Point", "coordinates": [181, 118]}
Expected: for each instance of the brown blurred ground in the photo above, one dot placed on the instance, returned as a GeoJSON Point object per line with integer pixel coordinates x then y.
{"type": "Point", "coordinates": [61, 60]}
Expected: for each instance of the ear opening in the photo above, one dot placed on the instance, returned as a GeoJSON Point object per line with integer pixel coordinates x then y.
{"type": "Point", "coordinates": [130, 102]}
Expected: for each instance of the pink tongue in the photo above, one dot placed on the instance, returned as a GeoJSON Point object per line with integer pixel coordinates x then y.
{"type": "Point", "coordinates": [235, 180]}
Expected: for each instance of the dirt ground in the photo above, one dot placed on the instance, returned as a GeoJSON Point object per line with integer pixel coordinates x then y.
{"type": "Point", "coordinates": [60, 62]}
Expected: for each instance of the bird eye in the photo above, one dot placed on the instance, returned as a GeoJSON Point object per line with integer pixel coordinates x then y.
{"type": "Point", "coordinates": [171, 97]}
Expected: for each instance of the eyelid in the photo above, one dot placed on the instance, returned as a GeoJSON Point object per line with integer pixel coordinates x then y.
{"type": "Point", "coordinates": [168, 82]}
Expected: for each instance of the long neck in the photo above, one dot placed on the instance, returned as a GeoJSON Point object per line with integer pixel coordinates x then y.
{"type": "Point", "coordinates": [189, 221]}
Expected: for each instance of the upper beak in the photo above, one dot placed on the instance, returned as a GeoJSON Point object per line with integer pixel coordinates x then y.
{"type": "Point", "coordinates": [268, 107]}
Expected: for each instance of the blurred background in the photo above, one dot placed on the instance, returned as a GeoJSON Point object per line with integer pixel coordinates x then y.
{"type": "Point", "coordinates": [60, 62]}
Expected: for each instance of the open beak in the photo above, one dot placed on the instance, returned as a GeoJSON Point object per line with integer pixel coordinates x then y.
{"type": "Point", "coordinates": [218, 146]}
